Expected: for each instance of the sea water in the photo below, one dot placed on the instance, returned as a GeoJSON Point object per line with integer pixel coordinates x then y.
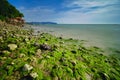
{"type": "Point", "coordinates": [101, 35]}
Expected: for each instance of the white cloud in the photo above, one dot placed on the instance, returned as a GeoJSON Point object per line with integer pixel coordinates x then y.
{"type": "Point", "coordinates": [39, 13]}
{"type": "Point", "coordinates": [79, 12]}
{"type": "Point", "coordinates": [86, 12]}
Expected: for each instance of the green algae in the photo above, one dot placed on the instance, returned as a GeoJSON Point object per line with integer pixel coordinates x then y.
{"type": "Point", "coordinates": [67, 59]}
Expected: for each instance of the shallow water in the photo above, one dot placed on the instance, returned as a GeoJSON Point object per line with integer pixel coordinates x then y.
{"type": "Point", "coordinates": [101, 35]}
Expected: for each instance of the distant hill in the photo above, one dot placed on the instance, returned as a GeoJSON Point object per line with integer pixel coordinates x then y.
{"type": "Point", "coordinates": [8, 11]}
{"type": "Point", "coordinates": [37, 23]}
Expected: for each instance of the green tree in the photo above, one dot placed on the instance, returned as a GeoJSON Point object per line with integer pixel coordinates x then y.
{"type": "Point", "coordinates": [8, 11]}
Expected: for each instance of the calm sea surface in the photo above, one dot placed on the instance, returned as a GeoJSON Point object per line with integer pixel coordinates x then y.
{"type": "Point", "coordinates": [101, 35]}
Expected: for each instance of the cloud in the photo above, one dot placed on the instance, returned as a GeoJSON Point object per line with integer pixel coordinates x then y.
{"type": "Point", "coordinates": [76, 12]}
{"type": "Point", "coordinates": [88, 12]}
{"type": "Point", "coordinates": [39, 13]}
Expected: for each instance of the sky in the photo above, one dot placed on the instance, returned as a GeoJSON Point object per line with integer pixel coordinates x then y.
{"type": "Point", "coordinates": [70, 11]}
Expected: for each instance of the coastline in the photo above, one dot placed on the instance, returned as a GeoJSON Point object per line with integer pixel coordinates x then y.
{"type": "Point", "coordinates": [88, 38]}
{"type": "Point", "coordinates": [24, 55]}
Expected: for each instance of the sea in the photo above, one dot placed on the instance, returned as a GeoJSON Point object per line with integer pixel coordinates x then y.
{"type": "Point", "coordinates": [105, 36]}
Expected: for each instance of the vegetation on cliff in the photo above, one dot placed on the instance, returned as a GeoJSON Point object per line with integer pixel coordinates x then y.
{"type": "Point", "coordinates": [8, 11]}
{"type": "Point", "coordinates": [25, 56]}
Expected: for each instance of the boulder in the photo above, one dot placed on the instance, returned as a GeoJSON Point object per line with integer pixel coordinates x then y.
{"type": "Point", "coordinates": [45, 47]}
{"type": "Point", "coordinates": [34, 75]}
{"type": "Point", "coordinates": [27, 67]}
{"type": "Point", "coordinates": [12, 46]}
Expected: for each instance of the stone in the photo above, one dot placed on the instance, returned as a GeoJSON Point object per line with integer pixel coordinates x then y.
{"type": "Point", "coordinates": [73, 62]}
{"type": "Point", "coordinates": [34, 75]}
{"type": "Point", "coordinates": [61, 42]}
{"type": "Point", "coordinates": [45, 47]}
{"type": "Point", "coordinates": [27, 67]}
{"type": "Point", "coordinates": [22, 55]}
{"type": "Point", "coordinates": [38, 52]}
{"type": "Point", "coordinates": [60, 38]}
{"type": "Point", "coordinates": [36, 44]}
{"type": "Point", "coordinates": [12, 46]}
{"type": "Point", "coordinates": [70, 38]}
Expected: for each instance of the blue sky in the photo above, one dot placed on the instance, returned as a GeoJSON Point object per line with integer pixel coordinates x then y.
{"type": "Point", "coordinates": [70, 11]}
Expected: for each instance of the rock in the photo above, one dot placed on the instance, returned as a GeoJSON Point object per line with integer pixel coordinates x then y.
{"type": "Point", "coordinates": [12, 63]}
{"type": "Point", "coordinates": [55, 78]}
{"type": "Point", "coordinates": [73, 62]}
{"type": "Point", "coordinates": [70, 38]}
{"type": "Point", "coordinates": [36, 44]}
{"type": "Point", "coordinates": [27, 67]}
{"type": "Point", "coordinates": [26, 40]}
{"type": "Point", "coordinates": [48, 57]}
{"type": "Point", "coordinates": [60, 38]}
{"type": "Point", "coordinates": [5, 52]}
{"type": "Point", "coordinates": [45, 47]}
{"type": "Point", "coordinates": [12, 46]}
{"type": "Point", "coordinates": [1, 38]}
{"type": "Point", "coordinates": [38, 31]}
{"type": "Point", "coordinates": [38, 52]}
{"type": "Point", "coordinates": [61, 42]}
{"type": "Point", "coordinates": [88, 76]}
{"type": "Point", "coordinates": [34, 75]}
{"type": "Point", "coordinates": [62, 59]}
{"type": "Point", "coordinates": [22, 55]}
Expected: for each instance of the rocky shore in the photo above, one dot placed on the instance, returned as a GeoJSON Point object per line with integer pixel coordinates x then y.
{"type": "Point", "coordinates": [25, 56]}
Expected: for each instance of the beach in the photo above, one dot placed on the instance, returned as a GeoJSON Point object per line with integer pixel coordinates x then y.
{"type": "Point", "coordinates": [25, 55]}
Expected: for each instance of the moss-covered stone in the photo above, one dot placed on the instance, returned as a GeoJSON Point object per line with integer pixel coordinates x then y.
{"type": "Point", "coordinates": [47, 57]}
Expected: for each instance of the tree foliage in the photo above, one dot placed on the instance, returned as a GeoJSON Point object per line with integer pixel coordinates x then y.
{"type": "Point", "coordinates": [8, 11]}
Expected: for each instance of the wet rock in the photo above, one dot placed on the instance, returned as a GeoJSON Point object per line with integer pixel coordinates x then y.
{"type": "Point", "coordinates": [88, 76]}
{"type": "Point", "coordinates": [55, 78]}
{"type": "Point", "coordinates": [61, 42]}
{"type": "Point", "coordinates": [70, 38]}
{"type": "Point", "coordinates": [5, 52]}
{"type": "Point", "coordinates": [26, 40]}
{"type": "Point", "coordinates": [34, 75]}
{"type": "Point", "coordinates": [55, 46]}
{"type": "Point", "coordinates": [73, 62]}
{"type": "Point", "coordinates": [38, 52]}
{"type": "Point", "coordinates": [1, 38]}
{"type": "Point", "coordinates": [22, 55]}
{"type": "Point", "coordinates": [27, 67]}
{"type": "Point", "coordinates": [36, 44]}
{"type": "Point", "coordinates": [60, 38]}
{"type": "Point", "coordinates": [12, 46]}
{"type": "Point", "coordinates": [45, 47]}
{"type": "Point", "coordinates": [48, 57]}
{"type": "Point", "coordinates": [62, 59]}
{"type": "Point", "coordinates": [38, 31]}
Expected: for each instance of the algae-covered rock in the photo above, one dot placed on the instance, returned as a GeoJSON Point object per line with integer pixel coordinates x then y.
{"type": "Point", "coordinates": [12, 46]}
{"type": "Point", "coordinates": [5, 52]}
